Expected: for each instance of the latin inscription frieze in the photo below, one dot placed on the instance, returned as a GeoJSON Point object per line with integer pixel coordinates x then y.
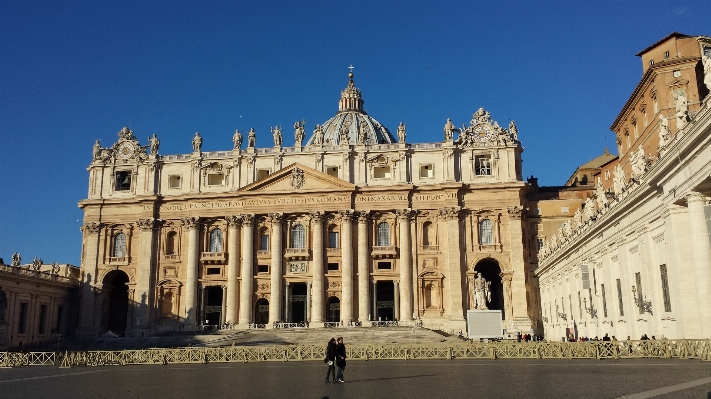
{"type": "Point", "coordinates": [381, 198]}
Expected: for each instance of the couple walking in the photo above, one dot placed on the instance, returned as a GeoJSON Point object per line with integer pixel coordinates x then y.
{"type": "Point", "coordinates": [336, 356]}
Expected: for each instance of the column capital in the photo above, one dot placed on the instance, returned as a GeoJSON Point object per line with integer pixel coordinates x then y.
{"type": "Point", "coordinates": [233, 221]}
{"type": "Point", "coordinates": [316, 216]}
{"type": "Point", "coordinates": [514, 211]}
{"type": "Point", "coordinates": [147, 224]}
{"type": "Point", "coordinates": [406, 214]}
{"type": "Point", "coordinates": [347, 215]}
{"type": "Point", "coordinates": [363, 216]}
{"type": "Point", "coordinates": [450, 213]}
{"type": "Point", "coordinates": [695, 196]}
{"type": "Point", "coordinates": [248, 219]}
{"type": "Point", "coordinates": [91, 227]}
{"type": "Point", "coordinates": [276, 218]}
{"type": "Point", "coordinates": [190, 223]}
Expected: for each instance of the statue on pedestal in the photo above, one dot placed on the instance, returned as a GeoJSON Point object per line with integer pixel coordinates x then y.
{"type": "Point", "coordinates": [197, 142]}
{"type": "Point", "coordinates": [154, 144]}
{"type": "Point", "coordinates": [682, 110]}
{"type": "Point", "coordinates": [513, 130]}
{"type": "Point", "coordinates": [237, 140]}
{"type": "Point", "coordinates": [276, 134]}
{"type": "Point", "coordinates": [482, 292]}
{"type": "Point", "coordinates": [318, 135]}
{"type": "Point", "coordinates": [96, 150]}
{"type": "Point", "coordinates": [639, 164]}
{"type": "Point", "coordinates": [251, 138]}
{"type": "Point", "coordinates": [298, 133]}
{"type": "Point", "coordinates": [401, 133]}
{"type": "Point", "coordinates": [449, 130]}
{"type": "Point", "coordinates": [362, 134]}
{"type": "Point", "coordinates": [664, 133]}
{"type": "Point", "coordinates": [16, 260]}
{"type": "Point", "coordinates": [619, 180]}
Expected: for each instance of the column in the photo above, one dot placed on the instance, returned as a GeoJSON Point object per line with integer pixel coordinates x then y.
{"type": "Point", "coordinates": [275, 314]}
{"type": "Point", "coordinates": [223, 313]}
{"type": "Point", "coordinates": [453, 259]}
{"type": "Point", "coordinates": [308, 302]}
{"type": "Point", "coordinates": [317, 301]}
{"type": "Point", "coordinates": [363, 274]}
{"type": "Point", "coordinates": [405, 310]}
{"type": "Point", "coordinates": [347, 266]}
{"type": "Point", "coordinates": [702, 257]}
{"type": "Point", "coordinates": [245, 292]}
{"type": "Point", "coordinates": [396, 304]}
{"type": "Point", "coordinates": [231, 313]}
{"type": "Point", "coordinates": [192, 224]}
{"type": "Point", "coordinates": [89, 268]}
{"type": "Point", "coordinates": [517, 294]}
{"type": "Point", "coordinates": [145, 284]}
{"type": "Point", "coordinates": [375, 300]}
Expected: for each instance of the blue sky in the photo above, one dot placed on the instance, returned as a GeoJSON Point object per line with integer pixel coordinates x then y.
{"type": "Point", "coordinates": [74, 72]}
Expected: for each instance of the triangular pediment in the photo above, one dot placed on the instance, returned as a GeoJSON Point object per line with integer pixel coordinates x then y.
{"type": "Point", "coordinates": [298, 178]}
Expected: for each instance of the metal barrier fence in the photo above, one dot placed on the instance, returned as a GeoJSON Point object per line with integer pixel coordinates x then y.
{"type": "Point", "coordinates": [682, 349]}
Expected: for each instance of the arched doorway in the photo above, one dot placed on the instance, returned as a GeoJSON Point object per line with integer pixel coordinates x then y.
{"type": "Point", "coordinates": [491, 271]}
{"type": "Point", "coordinates": [261, 311]}
{"type": "Point", "coordinates": [115, 307]}
{"type": "Point", "coordinates": [333, 306]}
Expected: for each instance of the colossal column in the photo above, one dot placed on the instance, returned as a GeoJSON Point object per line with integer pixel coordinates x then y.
{"type": "Point", "coordinates": [275, 270]}
{"type": "Point", "coordinates": [363, 275]}
{"type": "Point", "coordinates": [192, 224]}
{"type": "Point", "coordinates": [145, 280]}
{"type": "Point", "coordinates": [453, 257]}
{"type": "Point", "coordinates": [404, 216]}
{"type": "Point", "coordinates": [347, 267]}
{"type": "Point", "coordinates": [317, 270]}
{"type": "Point", "coordinates": [245, 297]}
{"type": "Point", "coordinates": [89, 267]}
{"type": "Point", "coordinates": [233, 223]}
{"type": "Point", "coordinates": [702, 257]}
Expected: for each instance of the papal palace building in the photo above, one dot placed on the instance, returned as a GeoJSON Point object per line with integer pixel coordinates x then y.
{"type": "Point", "coordinates": [351, 225]}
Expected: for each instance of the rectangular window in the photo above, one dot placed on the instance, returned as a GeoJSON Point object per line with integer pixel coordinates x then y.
{"type": "Point", "coordinates": [426, 171]}
{"type": "Point", "coordinates": [333, 266]}
{"type": "Point", "coordinates": [262, 173]}
{"type": "Point", "coordinates": [174, 182]}
{"type": "Point", "coordinates": [676, 73]}
{"type": "Point", "coordinates": [483, 165]}
{"type": "Point", "coordinates": [385, 266]}
{"type": "Point", "coordinates": [60, 310]}
{"type": "Point", "coordinates": [619, 298]}
{"type": "Point", "coordinates": [640, 294]}
{"type": "Point", "coordinates": [123, 180]}
{"type": "Point", "coordinates": [332, 171]}
{"type": "Point", "coordinates": [211, 271]}
{"type": "Point", "coordinates": [604, 300]}
{"type": "Point", "coordinates": [580, 305]}
{"type": "Point", "coordinates": [665, 288]}
{"type": "Point", "coordinates": [564, 209]}
{"type": "Point", "coordinates": [666, 54]}
{"type": "Point", "coordinates": [540, 243]}
{"type": "Point", "coordinates": [22, 326]}
{"type": "Point", "coordinates": [263, 269]}
{"type": "Point", "coordinates": [381, 172]}
{"type": "Point", "coordinates": [594, 281]}
{"type": "Point", "coordinates": [333, 239]}
{"type": "Point", "coordinates": [42, 319]}
{"type": "Point", "coordinates": [264, 242]}
{"type": "Point", "coordinates": [215, 179]}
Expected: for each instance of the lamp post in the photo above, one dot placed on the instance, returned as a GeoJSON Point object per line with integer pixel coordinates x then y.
{"type": "Point", "coordinates": [642, 304]}
{"type": "Point", "coordinates": [590, 310]}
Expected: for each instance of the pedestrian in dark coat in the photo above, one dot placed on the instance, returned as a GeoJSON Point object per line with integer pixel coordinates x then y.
{"type": "Point", "coordinates": [340, 359]}
{"type": "Point", "coordinates": [331, 359]}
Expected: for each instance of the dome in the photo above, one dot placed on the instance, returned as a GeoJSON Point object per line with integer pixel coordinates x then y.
{"type": "Point", "coordinates": [350, 119]}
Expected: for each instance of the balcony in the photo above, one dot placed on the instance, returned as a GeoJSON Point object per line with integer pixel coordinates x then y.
{"type": "Point", "coordinates": [429, 248]}
{"type": "Point", "coordinates": [213, 258]}
{"type": "Point", "coordinates": [264, 254]}
{"type": "Point", "coordinates": [297, 253]}
{"type": "Point", "coordinates": [118, 260]}
{"type": "Point", "coordinates": [333, 251]}
{"type": "Point", "coordinates": [384, 252]}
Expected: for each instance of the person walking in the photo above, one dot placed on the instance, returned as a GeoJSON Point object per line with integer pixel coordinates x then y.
{"type": "Point", "coordinates": [340, 359]}
{"type": "Point", "coordinates": [331, 359]}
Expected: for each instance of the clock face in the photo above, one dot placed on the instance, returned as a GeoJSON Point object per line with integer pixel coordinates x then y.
{"type": "Point", "coordinates": [482, 131]}
{"type": "Point", "coordinates": [125, 150]}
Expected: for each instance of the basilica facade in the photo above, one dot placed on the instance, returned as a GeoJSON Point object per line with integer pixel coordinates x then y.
{"type": "Point", "coordinates": [350, 226]}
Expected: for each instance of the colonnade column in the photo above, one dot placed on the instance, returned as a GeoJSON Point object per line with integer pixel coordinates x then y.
{"type": "Point", "coordinates": [230, 314]}
{"type": "Point", "coordinates": [275, 270]}
{"type": "Point", "coordinates": [453, 259]}
{"type": "Point", "coordinates": [145, 281]}
{"type": "Point", "coordinates": [405, 309]}
{"type": "Point", "coordinates": [363, 275]}
{"type": "Point", "coordinates": [192, 224]}
{"type": "Point", "coordinates": [701, 252]}
{"type": "Point", "coordinates": [89, 263]}
{"type": "Point", "coordinates": [347, 267]}
{"type": "Point", "coordinates": [245, 293]}
{"type": "Point", "coordinates": [317, 301]}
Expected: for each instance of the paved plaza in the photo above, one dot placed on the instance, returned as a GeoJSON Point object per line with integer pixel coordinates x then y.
{"type": "Point", "coordinates": [668, 378]}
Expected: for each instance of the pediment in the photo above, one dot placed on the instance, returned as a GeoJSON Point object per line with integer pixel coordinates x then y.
{"type": "Point", "coordinates": [298, 178]}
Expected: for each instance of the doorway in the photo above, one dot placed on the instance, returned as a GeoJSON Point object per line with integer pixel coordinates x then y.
{"type": "Point", "coordinates": [386, 301]}
{"type": "Point", "coordinates": [298, 303]}
{"type": "Point", "coordinates": [261, 311]}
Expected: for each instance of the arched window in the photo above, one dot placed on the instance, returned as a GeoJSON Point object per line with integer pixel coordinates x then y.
{"type": "Point", "coordinates": [119, 245]}
{"type": "Point", "coordinates": [486, 232]}
{"type": "Point", "coordinates": [332, 237]}
{"type": "Point", "coordinates": [216, 240]}
{"type": "Point", "coordinates": [383, 234]}
{"type": "Point", "coordinates": [427, 234]}
{"type": "Point", "coordinates": [170, 243]}
{"type": "Point", "coordinates": [298, 236]}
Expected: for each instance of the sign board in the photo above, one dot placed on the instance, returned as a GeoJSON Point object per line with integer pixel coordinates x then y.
{"type": "Point", "coordinates": [484, 324]}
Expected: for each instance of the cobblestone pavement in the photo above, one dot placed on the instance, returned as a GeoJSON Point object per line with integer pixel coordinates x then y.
{"type": "Point", "coordinates": [371, 379]}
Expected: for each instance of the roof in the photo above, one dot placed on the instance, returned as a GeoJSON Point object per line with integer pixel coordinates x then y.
{"type": "Point", "coordinates": [595, 163]}
{"type": "Point", "coordinates": [669, 36]}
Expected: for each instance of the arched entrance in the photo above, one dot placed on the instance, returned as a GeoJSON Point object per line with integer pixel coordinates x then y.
{"type": "Point", "coordinates": [261, 311]}
{"type": "Point", "coordinates": [491, 271]}
{"type": "Point", "coordinates": [115, 306]}
{"type": "Point", "coordinates": [333, 306]}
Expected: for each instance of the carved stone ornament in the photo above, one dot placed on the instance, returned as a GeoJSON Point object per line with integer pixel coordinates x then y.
{"type": "Point", "coordinates": [146, 224]}
{"type": "Point", "coordinates": [126, 149]}
{"type": "Point", "coordinates": [190, 223]}
{"type": "Point", "coordinates": [514, 211]}
{"type": "Point", "coordinates": [297, 179]}
{"type": "Point", "coordinates": [91, 227]}
{"type": "Point", "coordinates": [619, 181]}
{"type": "Point", "coordinates": [316, 216]}
{"type": "Point", "coordinates": [707, 71]}
{"type": "Point", "coordinates": [248, 220]}
{"type": "Point", "coordinates": [407, 214]}
{"type": "Point", "coordinates": [363, 216]}
{"type": "Point", "coordinates": [276, 218]}
{"type": "Point", "coordinates": [639, 163]}
{"type": "Point", "coordinates": [482, 131]}
{"type": "Point", "coordinates": [233, 221]}
{"type": "Point", "coordinates": [347, 214]}
{"type": "Point", "coordinates": [297, 267]}
{"type": "Point", "coordinates": [449, 213]}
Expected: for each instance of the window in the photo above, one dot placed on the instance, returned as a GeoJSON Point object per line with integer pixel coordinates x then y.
{"type": "Point", "coordinates": [564, 209]}
{"type": "Point", "coordinates": [21, 328]}
{"type": "Point", "coordinates": [170, 239]}
{"type": "Point", "coordinates": [483, 165]}
{"type": "Point", "coordinates": [332, 171]}
{"type": "Point", "coordinates": [607, 175]}
{"type": "Point", "coordinates": [42, 320]}
{"type": "Point", "coordinates": [333, 239]}
{"type": "Point", "coordinates": [666, 54]}
{"type": "Point", "coordinates": [211, 271]}
{"type": "Point", "coordinates": [385, 266]}
{"type": "Point", "coordinates": [640, 294]}
{"type": "Point", "coordinates": [540, 243]}
{"type": "Point", "coordinates": [651, 62]}
{"type": "Point", "coordinates": [428, 234]}
{"type": "Point", "coordinates": [383, 234]}
{"type": "Point", "coordinates": [262, 173]}
{"type": "Point", "coordinates": [264, 242]}
{"type": "Point", "coordinates": [580, 305]}
{"type": "Point", "coordinates": [570, 302]}
{"type": "Point", "coordinates": [604, 300]}
{"type": "Point", "coordinates": [216, 240]}
{"type": "Point", "coordinates": [174, 182]}
{"type": "Point", "coordinates": [333, 267]}
{"type": "Point", "coordinates": [676, 73]}
{"type": "Point", "coordinates": [123, 180]}
{"type": "Point", "coordinates": [298, 236]}
{"type": "Point", "coordinates": [381, 172]}
{"type": "Point", "coordinates": [594, 281]}
{"type": "Point", "coordinates": [119, 245]}
{"type": "Point", "coordinates": [60, 310]}
{"type": "Point", "coordinates": [619, 298]}
{"type": "Point", "coordinates": [486, 232]}
{"type": "Point", "coordinates": [263, 269]}
{"type": "Point", "coordinates": [426, 171]}
{"type": "Point", "coordinates": [665, 288]}
{"type": "Point", "coordinates": [215, 179]}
